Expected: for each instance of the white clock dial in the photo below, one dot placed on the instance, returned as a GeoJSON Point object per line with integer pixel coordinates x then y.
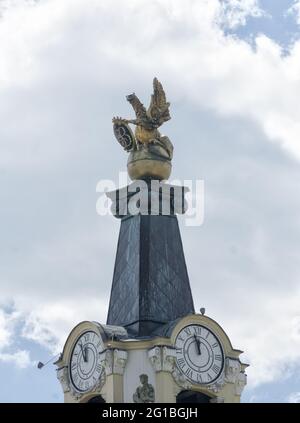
{"type": "Point", "coordinates": [85, 367]}
{"type": "Point", "coordinates": [199, 354]}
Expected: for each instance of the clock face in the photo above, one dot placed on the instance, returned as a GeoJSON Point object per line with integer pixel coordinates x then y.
{"type": "Point", "coordinates": [199, 354]}
{"type": "Point", "coordinates": [85, 367]}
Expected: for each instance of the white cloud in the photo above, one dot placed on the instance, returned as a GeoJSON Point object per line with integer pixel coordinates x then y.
{"type": "Point", "coordinates": [63, 74]}
{"type": "Point", "coordinates": [235, 13]}
{"type": "Point", "coordinates": [294, 397]}
{"type": "Point", "coordinates": [295, 10]}
{"type": "Point", "coordinates": [19, 358]}
{"type": "Point", "coordinates": [261, 351]}
{"type": "Point", "coordinates": [8, 321]}
{"type": "Point", "coordinates": [48, 324]}
{"type": "Point", "coordinates": [220, 72]}
{"type": "Point", "coordinates": [9, 353]}
{"type": "Point", "coordinates": [4, 331]}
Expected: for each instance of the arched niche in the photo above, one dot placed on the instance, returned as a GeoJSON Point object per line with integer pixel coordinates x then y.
{"type": "Point", "coordinates": [96, 400]}
{"type": "Point", "coordinates": [192, 397]}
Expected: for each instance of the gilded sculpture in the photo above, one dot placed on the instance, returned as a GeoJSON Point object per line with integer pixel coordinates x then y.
{"type": "Point", "coordinates": [150, 152]}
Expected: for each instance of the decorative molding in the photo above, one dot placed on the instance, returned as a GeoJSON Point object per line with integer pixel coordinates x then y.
{"type": "Point", "coordinates": [120, 359]}
{"type": "Point", "coordinates": [96, 388]}
{"type": "Point", "coordinates": [240, 383]}
{"type": "Point", "coordinates": [75, 395]}
{"type": "Point", "coordinates": [235, 375]}
{"type": "Point", "coordinates": [218, 385]}
{"type": "Point", "coordinates": [217, 400]}
{"type": "Point", "coordinates": [168, 359]}
{"type": "Point", "coordinates": [162, 359]}
{"type": "Point", "coordinates": [155, 358]}
{"type": "Point", "coordinates": [180, 379]}
{"type": "Point", "coordinates": [176, 389]}
{"type": "Point", "coordinates": [114, 361]}
{"type": "Point", "coordinates": [106, 360]}
{"type": "Point", "coordinates": [63, 377]}
{"type": "Point", "coordinates": [232, 370]}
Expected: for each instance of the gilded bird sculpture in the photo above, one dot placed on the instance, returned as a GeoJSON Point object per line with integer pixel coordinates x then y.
{"type": "Point", "coordinates": [146, 144]}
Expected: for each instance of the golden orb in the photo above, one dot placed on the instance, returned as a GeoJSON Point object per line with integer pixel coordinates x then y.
{"type": "Point", "coordinates": [149, 162]}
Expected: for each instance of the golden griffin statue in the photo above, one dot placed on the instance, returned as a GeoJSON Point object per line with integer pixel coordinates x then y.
{"type": "Point", "coordinates": [150, 152]}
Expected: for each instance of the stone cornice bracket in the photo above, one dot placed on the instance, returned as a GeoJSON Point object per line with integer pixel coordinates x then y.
{"type": "Point", "coordinates": [235, 374]}
{"type": "Point", "coordinates": [63, 377]}
{"type": "Point", "coordinates": [240, 383]}
{"type": "Point", "coordinates": [168, 359]}
{"type": "Point", "coordinates": [113, 361]}
{"type": "Point", "coordinates": [180, 379]}
{"type": "Point", "coordinates": [155, 358]}
{"type": "Point", "coordinates": [232, 370]}
{"type": "Point", "coordinates": [162, 359]}
{"type": "Point", "coordinates": [218, 385]}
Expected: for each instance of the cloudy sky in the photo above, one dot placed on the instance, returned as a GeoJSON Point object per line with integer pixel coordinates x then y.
{"type": "Point", "coordinates": [231, 70]}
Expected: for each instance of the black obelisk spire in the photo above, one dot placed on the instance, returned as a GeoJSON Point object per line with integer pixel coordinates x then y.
{"type": "Point", "coordinates": [150, 283]}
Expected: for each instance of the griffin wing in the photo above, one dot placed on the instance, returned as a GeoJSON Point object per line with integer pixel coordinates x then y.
{"type": "Point", "coordinates": [159, 107]}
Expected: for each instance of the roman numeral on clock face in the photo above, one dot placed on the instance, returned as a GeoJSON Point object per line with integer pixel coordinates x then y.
{"type": "Point", "coordinates": [189, 373]}
{"type": "Point", "coordinates": [199, 378]}
{"type": "Point", "coordinates": [216, 368]}
{"type": "Point", "coordinates": [197, 330]}
{"type": "Point", "coordinates": [218, 357]}
{"type": "Point", "coordinates": [181, 362]}
{"type": "Point", "coordinates": [86, 337]}
{"type": "Point", "coordinates": [187, 331]}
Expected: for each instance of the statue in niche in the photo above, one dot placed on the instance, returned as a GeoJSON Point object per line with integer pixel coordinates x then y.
{"type": "Point", "coordinates": [145, 392]}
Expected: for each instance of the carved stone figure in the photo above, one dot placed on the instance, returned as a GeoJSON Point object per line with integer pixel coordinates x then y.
{"type": "Point", "coordinates": [150, 152]}
{"type": "Point", "coordinates": [145, 392]}
{"type": "Point", "coordinates": [232, 370]}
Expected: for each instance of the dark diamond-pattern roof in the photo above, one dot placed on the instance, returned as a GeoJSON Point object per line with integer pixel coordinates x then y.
{"type": "Point", "coordinates": [150, 284]}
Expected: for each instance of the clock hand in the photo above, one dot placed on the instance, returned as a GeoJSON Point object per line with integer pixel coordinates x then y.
{"type": "Point", "coordinates": [198, 344]}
